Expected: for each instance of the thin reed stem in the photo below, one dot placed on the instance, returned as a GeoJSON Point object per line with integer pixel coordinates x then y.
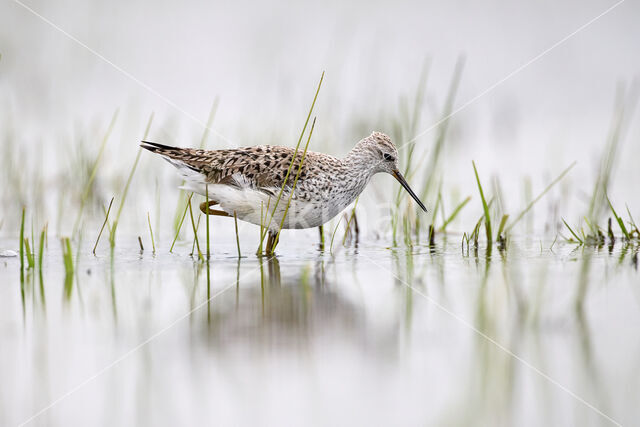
{"type": "Point", "coordinates": [295, 182]}
{"type": "Point", "coordinates": [153, 243]}
{"type": "Point", "coordinates": [106, 219]}
{"type": "Point", "coordinates": [195, 232]}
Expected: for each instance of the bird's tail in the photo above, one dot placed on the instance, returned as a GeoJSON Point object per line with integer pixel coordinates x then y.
{"type": "Point", "coordinates": [184, 159]}
{"type": "Point", "coordinates": [165, 150]}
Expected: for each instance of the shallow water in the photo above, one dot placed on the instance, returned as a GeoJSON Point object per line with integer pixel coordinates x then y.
{"type": "Point", "coordinates": [368, 335]}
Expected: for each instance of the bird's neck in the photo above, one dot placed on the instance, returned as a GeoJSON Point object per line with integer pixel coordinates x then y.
{"type": "Point", "coordinates": [358, 171]}
{"type": "Point", "coordinates": [361, 162]}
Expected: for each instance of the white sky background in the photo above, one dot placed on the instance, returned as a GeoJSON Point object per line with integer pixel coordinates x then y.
{"type": "Point", "coordinates": [263, 60]}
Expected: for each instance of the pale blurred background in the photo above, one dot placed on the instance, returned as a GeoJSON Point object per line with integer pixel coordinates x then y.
{"type": "Point", "coordinates": [262, 60]}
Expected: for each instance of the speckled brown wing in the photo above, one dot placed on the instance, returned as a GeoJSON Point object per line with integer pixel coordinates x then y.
{"type": "Point", "coordinates": [262, 167]}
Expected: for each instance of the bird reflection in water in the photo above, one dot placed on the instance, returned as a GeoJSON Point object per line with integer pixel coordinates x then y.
{"type": "Point", "coordinates": [290, 306]}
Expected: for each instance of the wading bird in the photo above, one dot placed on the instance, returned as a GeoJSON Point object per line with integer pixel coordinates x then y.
{"type": "Point", "coordinates": [249, 182]}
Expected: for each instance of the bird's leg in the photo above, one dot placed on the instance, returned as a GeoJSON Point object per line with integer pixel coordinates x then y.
{"type": "Point", "coordinates": [356, 227]}
{"type": "Point", "coordinates": [217, 212]}
{"type": "Point", "coordinates": [321, 231]}
{"type": "Point", "coordinates": [271, 242]}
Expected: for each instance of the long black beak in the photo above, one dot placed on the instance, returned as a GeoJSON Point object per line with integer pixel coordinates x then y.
{"type": "Point", "coordinates": [397, 175]}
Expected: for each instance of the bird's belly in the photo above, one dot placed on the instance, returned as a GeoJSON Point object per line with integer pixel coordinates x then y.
{"type": "Point", "coordinates": [257, 207]}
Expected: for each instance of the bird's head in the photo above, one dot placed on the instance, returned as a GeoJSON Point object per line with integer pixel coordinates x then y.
{"type": "Point", "coordinates": [382, 154]}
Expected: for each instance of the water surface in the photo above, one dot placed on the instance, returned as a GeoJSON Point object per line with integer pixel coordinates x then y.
{"type": "Point", "coordinates": [366, 335]}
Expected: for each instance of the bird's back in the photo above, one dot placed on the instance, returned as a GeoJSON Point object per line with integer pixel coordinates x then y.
{"type": "Point", "coordinates": [262, 167]}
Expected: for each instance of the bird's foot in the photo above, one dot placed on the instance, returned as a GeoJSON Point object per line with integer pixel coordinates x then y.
{"type": "Point", "coordinates": [207, 209]}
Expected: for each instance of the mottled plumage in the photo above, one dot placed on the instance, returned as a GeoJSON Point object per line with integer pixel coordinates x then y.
{"type": "Point", "coordinates": [247, 181]}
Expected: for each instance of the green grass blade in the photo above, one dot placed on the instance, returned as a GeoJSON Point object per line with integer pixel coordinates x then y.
{"type": "Point", "coordinates": [67, 255]}
{"type": "Point", "coordinates": [30, 259]}
{"type": "Point", "coordinates": [573, 232]}
{"type": "Point", "coordinates": [503, 222]}
{"type": "Point", "coordinates": [485, 207]}
{"type": "Point", "coordinates": [153, 243]}
{"type": "Point", "coordinates": [618, 219]}
{"type": "Point", "coordinates": [455, 213]}
{"type": "Point", "coordinates": [41, 248]}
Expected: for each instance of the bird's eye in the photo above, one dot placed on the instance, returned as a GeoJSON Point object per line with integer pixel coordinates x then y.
{"type": "Point", "coordinates": [388, 157]}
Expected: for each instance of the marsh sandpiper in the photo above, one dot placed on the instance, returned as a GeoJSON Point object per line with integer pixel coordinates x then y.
{"type": "Point", "coordinates": [248, 182]}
